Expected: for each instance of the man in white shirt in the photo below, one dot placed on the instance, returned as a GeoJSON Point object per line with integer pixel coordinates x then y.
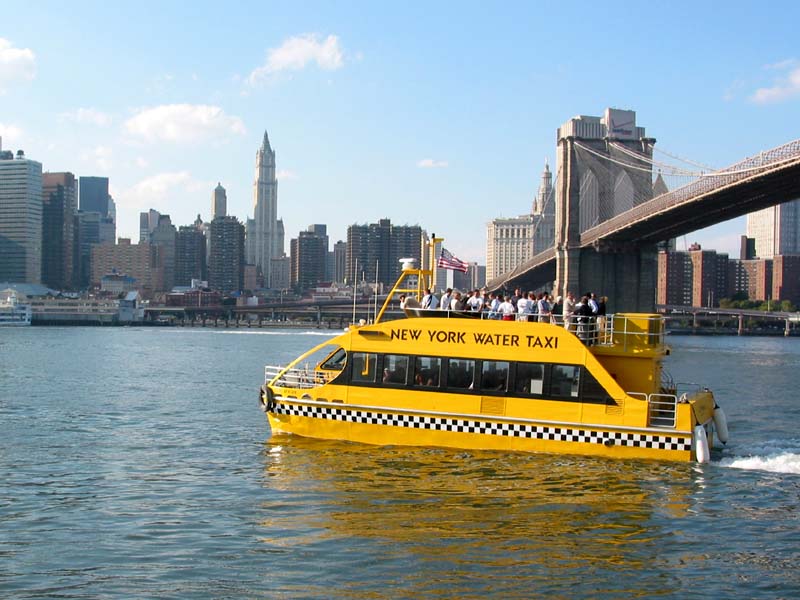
{"type": "Point", "coordinates": [474, 302]}
{"type": "Point", "coordinates": [523, 308]}
{"type": "Point", "coordinates": [445, 302]}
{"type": "Point", "coordinates": [506, 309]}
{"type": "Point", "coordinates": [429, 300]}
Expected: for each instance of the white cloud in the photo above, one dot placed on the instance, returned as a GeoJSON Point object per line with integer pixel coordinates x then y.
{"type": "Point", "coordinates": [781, 65]}
{"type": "Point", "coordinates": [285, 175]}
{"type": "Point", "coordinates": [142, 162]}
{"type": "Point", "coordinates": [16, 64]}
{"type": "Point", "coordinates": [785, 87]}
{"type": "Point", "coordinates": [430, 163]}
{"type": "Point", "coordinates": [87, 116]}
{"type": "Point", "coordinates": [183, 123]}
{"type": "Point", "coordinates": [11, 134]}
{"type": "Point", "coordinates": [100, 156]}
{"type": "Point", "coordinates": [155, 190]}
{"type": "Point", "coordinates": [296, 53]}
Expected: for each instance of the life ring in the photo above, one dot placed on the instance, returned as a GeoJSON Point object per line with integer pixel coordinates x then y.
{"type": "Point", "coordinates": [721, 424]}
{"type": "Point", "coordinates": [266, 398]}
{"type": "Point", "coordinates": [700, 442]}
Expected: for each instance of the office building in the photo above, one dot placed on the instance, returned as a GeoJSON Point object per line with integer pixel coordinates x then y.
{"type": "Point", "coordinates": [190, 255]}
{"type": "Point", "coordinates": [148, 221]}
{"type": "Point", "coordinates": [374, 251]}
{"type": "Point", "coordinates": [512, 241]}
{"type": "Point", "coordinates": [308, 256]}
{"type": "Point", "coordinates": [265, 237]}
{"type": "Point", "coordinates": [339, 261]}
{"type": "Point", "coordinates": [20, 218]}
{"type": "Point", "coordinates": [165, 235]}
{"type": "Point", "coordinates": [87, 234]}
{"type": "Point", "coordinates": [140, 261]}
{"type": "Point", "coordinates": [59, 204]}
{"type": "Point", "coordinates": [226, 262]}
{"type": "Point", "coordinates": [776, 229]}
{"type": "Point", "coordinates": [93, 192]}
{"type": "Point", "coordinates": [219, 202]}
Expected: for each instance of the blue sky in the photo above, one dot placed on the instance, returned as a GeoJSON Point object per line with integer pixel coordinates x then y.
{"type": "Point", "coordinates": [437, 114]}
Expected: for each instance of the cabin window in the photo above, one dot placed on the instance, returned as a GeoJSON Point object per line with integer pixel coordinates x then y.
{"type": "Point", "coordinates": [460, 373]}
{"type": "Point", "coordinates": [564, 380]}
{"type": "Point", "coordinates": [427, 370]}
{"type": "Point", "coordinates": [530, 379]}
{"type": "Point", "coordinates": [494, 376]}
{"type": "Point", "coordinates": [395, 369]}
{"type": "Point", "coordinates": [592, 390]}
{"type": "Point", "coordinates": [336, 361]}
{"type": "Point", "coordinates": [364, 367]}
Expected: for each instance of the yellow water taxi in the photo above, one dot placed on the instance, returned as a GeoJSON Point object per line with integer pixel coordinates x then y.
{"type": "Point", "coordinates": [434, 378]}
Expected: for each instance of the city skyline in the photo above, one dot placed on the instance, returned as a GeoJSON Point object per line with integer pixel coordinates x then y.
{"type": "Point", "coordinates": [427, 128]}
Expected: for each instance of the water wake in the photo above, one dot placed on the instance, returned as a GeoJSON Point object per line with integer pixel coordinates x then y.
{"type": "Point", "coordinates": [777, 457]}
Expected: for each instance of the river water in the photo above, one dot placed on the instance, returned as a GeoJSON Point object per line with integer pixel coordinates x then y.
{"type": "Point", "coordinates": [136, 463]}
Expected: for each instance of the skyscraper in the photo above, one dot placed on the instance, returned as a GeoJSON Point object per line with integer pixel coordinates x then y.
{"type": "Point", "coordinates": [226, 257]}
{"type": "Point", "coordinates": [164, 235]}
{"type": "Point", "coordinates": [190, 255]}
{"type": "Point", "coordinates": [374, 250]}
{"type": "Point", "coordinates": [512, 241]}
{"type": "Point", "coordinates": [308, 258]}
{"type": "Point", "coordinates": [59, 195]}
{"type": "Point", "coordinates": [219, 202]}
{"type": "Point", "coordinates": [94, 195]}
{"type": "Point", "coordinates": [264, 238]}
{"type": "Point", "coordinates": [776, 229]}
{"type": "Point", "coordinates": [148, 221]}
{"type": "Point", "coordinates": [20, 218]}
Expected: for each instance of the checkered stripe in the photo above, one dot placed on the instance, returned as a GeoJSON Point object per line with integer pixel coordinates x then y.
{"type": "Point", "coordinates": [539, 432]}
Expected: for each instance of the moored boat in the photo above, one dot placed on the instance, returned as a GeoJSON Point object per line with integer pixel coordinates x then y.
{"type": "Point", "coordinates": [12, 311]}
{"type": "Point", "coordinates": [429, 379]}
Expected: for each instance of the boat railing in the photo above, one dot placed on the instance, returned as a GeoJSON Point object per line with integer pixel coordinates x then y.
{"type": "Point", "coordinates": [297, 378]}
{"type": "Point", "coordinates": [662, 409]}
{"type": "Point", "coordinates": [686, 390]}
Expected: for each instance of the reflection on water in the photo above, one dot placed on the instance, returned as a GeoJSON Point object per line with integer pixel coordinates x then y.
{"type": "Point", "coordinates": [154, 476]}
{"type": "Point", "coordinates": [447, 513]}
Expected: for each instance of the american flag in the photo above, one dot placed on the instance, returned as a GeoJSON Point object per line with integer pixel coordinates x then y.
{"type": "Point", "coordinates": [448, 261]}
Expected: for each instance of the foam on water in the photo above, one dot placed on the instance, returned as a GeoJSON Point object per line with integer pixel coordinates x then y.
{"type": "Point", "coordinates": [775, 456]}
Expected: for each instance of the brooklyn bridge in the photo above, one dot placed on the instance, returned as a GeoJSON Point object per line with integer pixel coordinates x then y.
{"type": "Point", "coordinates": [613, 208]}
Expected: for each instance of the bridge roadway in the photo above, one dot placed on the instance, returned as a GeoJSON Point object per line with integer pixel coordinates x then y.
{"type": "Point", "coordinates": [674, 312]}
{"type": "Point", "coordinates": [317, 312]}
{"type": "Point", "coordinates": [766, 179]}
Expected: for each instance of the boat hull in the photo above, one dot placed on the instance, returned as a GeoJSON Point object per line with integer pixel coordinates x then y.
{"type": "Point", "coordinates": [379, 426]}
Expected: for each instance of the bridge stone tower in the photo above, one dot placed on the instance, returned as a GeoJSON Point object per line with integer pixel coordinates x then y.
{"type": "Point", "coordinates": [600, 177]}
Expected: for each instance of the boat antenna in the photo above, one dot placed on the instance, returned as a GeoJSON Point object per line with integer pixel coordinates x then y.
{"type": "Point", "coordinates": [375, 313]}
{"type": "Point", "coordinates": [355, 275]}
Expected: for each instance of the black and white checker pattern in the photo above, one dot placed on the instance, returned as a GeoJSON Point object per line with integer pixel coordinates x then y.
{"type": "Point", "coordinates": [541, 432]}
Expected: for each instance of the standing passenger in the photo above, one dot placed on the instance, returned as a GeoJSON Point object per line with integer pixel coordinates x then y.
{"type": "Point", "coordinates": [506, 309]}
{"type": "Point", "coordinates": [444, 304]}
{"type": "Point", "coordinates": [543, 308]}
{"type": "Point", "coordinates": [567, 310]}
{"type": "Point", "coordinates": [523, 308]}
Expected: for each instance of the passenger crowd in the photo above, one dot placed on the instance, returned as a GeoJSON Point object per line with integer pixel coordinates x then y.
{"type": "Point", "coordinates": [585, 317]}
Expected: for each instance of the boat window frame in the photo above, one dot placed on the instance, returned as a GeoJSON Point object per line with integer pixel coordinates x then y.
{"type": "Point", "coordinates": [353, 359]}
{"type": "Point", "coordinates": [590, 390]}
{"type": "Point", "coordinates": [470, 381]}
{"type": "Point", "coordinates": [495, 389]}
{"type": "Point", "coordinates": [383, 368]}
{"type": "Point", "coordinates": [419, 371]}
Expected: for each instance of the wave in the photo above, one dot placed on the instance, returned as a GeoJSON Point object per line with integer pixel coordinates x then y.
{"type": "Point", "coordinates": [776, 457]}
